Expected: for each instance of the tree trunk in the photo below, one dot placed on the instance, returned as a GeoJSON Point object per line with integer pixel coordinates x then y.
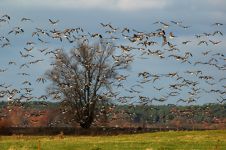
{"type": "Point", "coordinates": [86, 122]}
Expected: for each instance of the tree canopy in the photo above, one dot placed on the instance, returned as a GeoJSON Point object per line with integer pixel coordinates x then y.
{"type": "Point", "coordinates": [82, 78]}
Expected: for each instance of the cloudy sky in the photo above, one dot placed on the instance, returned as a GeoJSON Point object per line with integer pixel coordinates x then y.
{"type": "Point", "coordinates": [136, 14]}
{"type": "Point", "coordinates": [141, 13]}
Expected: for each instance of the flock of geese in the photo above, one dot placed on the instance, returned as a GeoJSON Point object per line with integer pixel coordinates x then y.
{"type": "Point", "coordinates": [183, 86]}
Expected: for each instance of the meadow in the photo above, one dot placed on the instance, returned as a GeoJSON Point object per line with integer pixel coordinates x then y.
{"type": "Point", "coordinates": [206, 140]}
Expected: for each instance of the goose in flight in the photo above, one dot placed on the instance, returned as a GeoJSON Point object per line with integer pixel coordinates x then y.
{"type": "Point", "coordinates": [16, 30]}
{"type": "Point", "coordinates": [41, 79]}
{"type": "Point", "coordinates": [203, 42]}
{"type": "Point", "coordinates": [176, 22]}
{"type": "Point", "coordinates": [215, 42]}
{"type": "Point", "coordinates": [186, 42]}
{"type": "Point", "coordinates": [3, 70]}
{"type": "Point", "coordinates": [165, 25]}
{"type": "Point", "coordinates": [4, 38]}
{"type": "Point", "coordinates": [125, 30]}
{"type": "Point", "coordinates": [25, 19]}
{"type": "Point", "coordinates": [217, 24]}
{"type": "Point", "coordinates": [218, 32]}
{"type": "Point", "coordinates": [12, 63]}
{"type": "Point", "coordinates": [171, 35]}
{"type": "Point", "coordinates": [53, 22]}
{"type": "Point", "coordinates": [185, 27]}
{"type": "Point", "coordinates": [6, 16]}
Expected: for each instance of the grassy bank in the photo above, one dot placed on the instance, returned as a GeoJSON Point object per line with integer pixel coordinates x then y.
{"type": "Point", "coordinates": [206, 140]}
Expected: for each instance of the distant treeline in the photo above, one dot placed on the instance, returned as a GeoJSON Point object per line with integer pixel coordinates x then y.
{"type": "Point", "coordinates": [31, 104]}
{"type": "Point", "coordinates": [149, 114]}
{"type": "Point", "coordinates": [165, 113]}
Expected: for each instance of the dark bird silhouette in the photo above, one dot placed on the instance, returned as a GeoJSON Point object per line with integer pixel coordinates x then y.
{"type": "Point", "coordinates": [217, 24]}
{"type": "Point", "coordinates": [25, 19]}
{"type": "Point", "coordinates": [215, 42]}
{"type": "Point", "coordinates": [54, 22]}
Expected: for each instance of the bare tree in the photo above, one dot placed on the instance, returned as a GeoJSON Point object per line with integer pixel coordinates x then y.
{"type": "Point", "coordinates": [83, 80]}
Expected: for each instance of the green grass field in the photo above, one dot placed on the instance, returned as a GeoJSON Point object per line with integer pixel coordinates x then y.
{"type": "Point", "coordinates": [206, 140]}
